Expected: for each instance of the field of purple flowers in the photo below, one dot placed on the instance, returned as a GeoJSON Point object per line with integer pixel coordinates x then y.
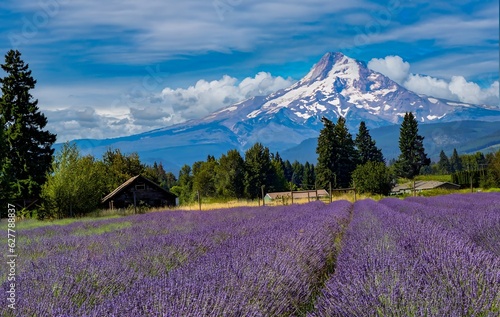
{"type": "Point", "coordinates": [434, 256]}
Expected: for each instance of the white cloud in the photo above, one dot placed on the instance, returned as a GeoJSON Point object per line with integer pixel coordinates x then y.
{"type": "Point", "coordinates": [457, 88]}
{"type": "Point", "coordinates": [206, 97]}
{"type": "Point", "coordinates": [428, 85]}
{"type": "Point", "coordinates": [392, 66]}
{"type": "Point", "coordinates": [144, 110]}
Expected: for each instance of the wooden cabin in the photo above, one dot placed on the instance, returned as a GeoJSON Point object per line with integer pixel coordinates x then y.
{"type": "Point", "coordinates": [139, 191]}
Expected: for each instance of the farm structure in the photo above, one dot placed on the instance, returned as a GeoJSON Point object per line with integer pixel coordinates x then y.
{"type": "Point", "coordinates": [139, 190]}
{"type": "Point", "coordinates": [421, 186]}
{"type": "Point", "coordinates": [302, 194]}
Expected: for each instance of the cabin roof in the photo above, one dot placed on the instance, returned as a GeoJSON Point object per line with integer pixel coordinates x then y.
{"type": "Point", "coordinates": [129, 182]}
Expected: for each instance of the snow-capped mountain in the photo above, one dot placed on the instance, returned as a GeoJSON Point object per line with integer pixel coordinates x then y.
{"type": "Point", "coordinates": [336, 86]}
{"type": "Point", "coordinates": [341, 86]}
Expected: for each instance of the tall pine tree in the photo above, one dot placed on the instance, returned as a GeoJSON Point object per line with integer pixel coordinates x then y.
{"type": "Point", "coordinates": [230, 175]}
{"type": "Point", "coordinates": [367, 150]}
{"type": "Point", "coordinates": [411, 145]}
{"type": "Point", "coordinates": [326, 154]}
{"type": "Point", "coordinates": [258, 170]}
{"type": "Point", "coordinates": [28, 147]}
{"type": "Point", "coordinates": [443, 164]}
{"type": "Point", "coordinates": [337, 157]}
{"type": "Point", "coordinates": [346, 159]}
{"type": "Point", "coordinates": [455, 162]}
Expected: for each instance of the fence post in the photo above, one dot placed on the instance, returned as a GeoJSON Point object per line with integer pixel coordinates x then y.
{"type": "Point", "coordinates": [330, 187]}
{"type": "Point", "coordinates": [199, 200]}
{"type": "Point", "coordinates": [354, 185]}
{"type": "Point", "coordinates": [262, 190]}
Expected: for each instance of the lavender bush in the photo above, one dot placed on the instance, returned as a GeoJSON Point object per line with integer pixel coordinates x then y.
{"type": "Point", "coordinates": [397, 264]}
{"type": "Point", "coordinates": [472, 216]}
{"type": "Point", "coordinates": [416, 257]}
{"type": "Point", "coordinates": [240, 262]}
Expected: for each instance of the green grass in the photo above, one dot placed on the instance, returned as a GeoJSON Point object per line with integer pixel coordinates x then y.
{"type": "Point", "coordinates": [102, 229]}
{"type": "Point", "coordinates": [28, 224]}
{"type": "Point", "coordinates": [440, 178]}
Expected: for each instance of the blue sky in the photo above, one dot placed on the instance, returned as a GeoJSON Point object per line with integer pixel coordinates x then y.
{"type": "Point", "coordinates": [110, 68]}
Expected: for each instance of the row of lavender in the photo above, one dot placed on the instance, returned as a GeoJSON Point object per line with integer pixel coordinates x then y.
{"type": "Point", "coordinates": [418, 257]}
{"type": "Point", "coordinates": [240, 262]}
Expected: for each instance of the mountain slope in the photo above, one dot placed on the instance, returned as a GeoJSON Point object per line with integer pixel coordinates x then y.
{"type": "Point", "coordinates": [336, 86]}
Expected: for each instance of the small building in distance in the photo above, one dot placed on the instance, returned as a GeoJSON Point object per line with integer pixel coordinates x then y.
{"type": "Point", "coordinates": [139, 190]}
{"type": "Point", "coordinates": [407, 188]}
{"type": "Point", "coordinates": [301, 194]}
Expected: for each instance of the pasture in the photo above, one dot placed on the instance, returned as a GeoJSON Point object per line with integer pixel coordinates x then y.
{"type": "Point", "coordinates": [421, 256]}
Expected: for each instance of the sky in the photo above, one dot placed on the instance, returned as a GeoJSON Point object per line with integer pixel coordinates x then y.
{"type": "Point", "coordinates": [113, 68]}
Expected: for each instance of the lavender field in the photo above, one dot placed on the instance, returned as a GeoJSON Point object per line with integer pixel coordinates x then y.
{"type": "Point", "coordinates": [436, 256]}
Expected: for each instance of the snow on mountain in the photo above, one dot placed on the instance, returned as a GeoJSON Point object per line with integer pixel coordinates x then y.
{"type": "Point", "coordinates": [336, 86]}
{"type": "Point", "coordinates": [341, 86]}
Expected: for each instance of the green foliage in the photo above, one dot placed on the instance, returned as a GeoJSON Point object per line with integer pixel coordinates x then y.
{"type": "Point", "coordinates": [326, 151]}
{"type": "Point", "coordinates": [434, 177]}
{"type": "Point", "coordinates": [258, 170]}
{"type": "Point", "coordinates": [157, 174]}
{"type": "Point", "coordinates": [346, 158]}
{"type": "Point", "coordinates": [75, 186]}
{"type": "Point", "coordinates": [26, 148]}
{"type": "Point", "coordinates": [412, 157]}
{"type": "Point", "coordinates": [474, 161]}
{"type": "Point", "coordinates": [120, 167]}
{"type": "Point", "coordinates": [443, 165]}
{"type": "Point", "coordinates": [185, 188]}
{"type": "Point", "coordinates": [204, 177]}
{"type": "Point", "coordinates": [455, 162]}
{"type": "Point", "coordinates": [308, 177]}
{"type": "Point", "coordinates": [230, 175]}
{"type": "Point", "coordinates": [493, 177]}
{"type": "Point", "coordinates": [366, 147]}
{"type": "Point", "coordinates": [297, 174]}
{"type": "Point", "coordinates": [279, 183]}
{"type": "Point", "coordinates": [373, 178]}
{"type": "Point", "coordinates": [464, 178]}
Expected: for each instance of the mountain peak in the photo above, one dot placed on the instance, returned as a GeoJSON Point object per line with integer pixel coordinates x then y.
{"type": "Point", "coordinates": [326, 64]}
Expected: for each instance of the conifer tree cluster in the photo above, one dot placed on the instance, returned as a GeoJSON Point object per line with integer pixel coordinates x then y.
{"type": "Point", "coordinates": [339, 155]}
{"type": "Point", "coordinates": [25, 146]}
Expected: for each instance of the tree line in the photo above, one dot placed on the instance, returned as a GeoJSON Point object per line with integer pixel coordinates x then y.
{"type": "Point", "coordinates": [68, 183]}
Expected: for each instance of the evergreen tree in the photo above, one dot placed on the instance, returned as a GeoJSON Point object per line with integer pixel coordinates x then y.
{"type": "Point", "coordinates": [27, 147]}
{"type": "Point", "coordinates": [204, 177]}
{"type": "Point", "coordinates": [308, 177]}
{"type": "Point", "coordinates": [365, 145]}
{"type": "Point", "coordinates": [443, 164]}
{"type": "Point", "coordinates": [298, 173]}
{"type": "Point", "coordinates": [287, 167]}
{"type": "Point", "coordinates": [184, 189]}
{"type": "Point", "coordinates": [157, 174]}
{"type": "Point", "coordinates": [230, 175]}
{"type": "Point", "coordinates": [258, 170]}
{"type": "Point", "coordinates": [279, 182]}
{"type": "Point", "coordinates": [455, 162]}
{"type": "Point", "coordinates": [326, 151]}
{"type": "Point", "coordinates": [346, 155]}
{"type": "Point", "coordinates": [337, 156]}
{"type": "Point", "coordinates": [411, 145]}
